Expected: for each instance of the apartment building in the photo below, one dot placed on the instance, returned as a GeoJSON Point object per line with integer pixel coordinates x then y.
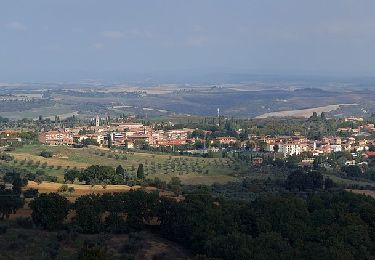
{"type": "Point", "coordinates": [56, 137]}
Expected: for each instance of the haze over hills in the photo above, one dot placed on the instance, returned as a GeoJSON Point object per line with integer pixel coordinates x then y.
{"type": "Point", "coordinates": [252, 99]}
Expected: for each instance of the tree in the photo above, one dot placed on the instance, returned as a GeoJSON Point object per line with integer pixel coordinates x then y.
{"type": "Point", "coordinates": [89, 141]}
{"type": "Point", "coordinates": [89, 209]}
{"type": "Point", "coordinates": [31, 193]}
{"type": "Point", "coordinates": [71, 190]}
{"type": "Point", "coordinates": [314, 116]}
{"type": "Point", "coordinates": [63, 188]}
{"type": "Point", "coordinates": [140, 172]}
{"type": "Point", "coordinates": [232, 246]}
{"type": "Point", "coordinates": [323, 116]}
{"type": "Point", "coordinates": [71, 175]}
{"type": "Point", "coordinates": [99, 173]}
{"type": "Point", "coordinates": [10, 201]}
{"type": "Point", "coordinates": [301, 181]}
{"type": "Point", "coordinates": [91, 251]}
{"type": "Point", "coordinates": [109, 139]}
{"type": "Point", "coordinates": [18, 183]}
{"type": "Point", "coordinates": [329, 184]}
{"type": "Point", "coordinates": [120, 171]}
{"type": "Point", "coordinates": [49, 210]}
{"type": "Point", "coordinates": [46, 154]}
{"type": "Point", "coordinates": [262, 146]}
{"type": "Point", "coordinates": [140, 207]}
{"type": "Point", "coordinates": [276, 148]}
{"type": "Point", "coordinates": [353, 170]}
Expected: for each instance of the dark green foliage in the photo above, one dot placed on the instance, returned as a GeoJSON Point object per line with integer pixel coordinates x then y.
{"type": "Point", "coordinates": [94, 251]}
{"type": "Point", "coordinates": [71, 175]}
{"type": "Point", "coordinates": [325, 225]}
{"type": "Point", "coordinates": [6, 157]}
{"type": "Point", "coordinates": [232, 246]}
{"type": "Point", "coordinates": [10, 201]}
{"type": "Point", "coordinates": [135, 242]}
{"type": "Point", "coordinates": [89, 209]}
{"type": "Point", "coordinates": [352, 171]}
{"type": "Point", "coordinates": [96, 174]}
{"type": "Point", "coordinates": [273, 227]}
{"type": "Point", "coordinates": [25, 222]}
{"type": "Point", "coordinates": [140, 207]}
{"type": "Point", "coordinates": [140, 172]}
{"type": "Point", "coordinates": [120, 171]}
{"type": "Point", "coordinates": [301, 181]}
{"type": "Point", "coordinates": [49, 210]}
{"type": "Point", "coordinates": [89, 141]}
{"type": "Point", "coordinates": [63, 188]}
{"type": "Point", "coordinates": [31, 193]}
{"type": "Point", "coordinates": [18, 183]}
{"type": "Point", "coordinates": [116, 223]}
{"type": "Point", "coordinates": [3, 229]}
{"type": "Point", "coordinates": [46, 154]}
{"type": "Point", "coordinates": [329, 184]}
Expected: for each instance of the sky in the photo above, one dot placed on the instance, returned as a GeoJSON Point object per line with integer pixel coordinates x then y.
{"type": "Point", "coordinates": [64, 40]}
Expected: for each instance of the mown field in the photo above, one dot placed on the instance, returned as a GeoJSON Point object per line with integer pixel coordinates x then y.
{"type": "Point", "coordinates": [191, 170]}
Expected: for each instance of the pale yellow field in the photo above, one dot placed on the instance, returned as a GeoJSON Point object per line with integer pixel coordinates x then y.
{"type": "Point", "coordinates": [80, 189]}
{"type": "Point", "coordinates": [370, 193]}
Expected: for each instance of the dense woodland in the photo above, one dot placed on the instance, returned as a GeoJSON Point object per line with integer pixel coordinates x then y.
{"type": "Point", "coordinates": [328, 225]}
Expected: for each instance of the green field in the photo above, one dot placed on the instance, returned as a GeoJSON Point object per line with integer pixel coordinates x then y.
{"type": "Point", "coordinates": [191, 170]}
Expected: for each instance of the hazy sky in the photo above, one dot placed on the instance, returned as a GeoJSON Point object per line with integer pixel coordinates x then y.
{"type": "Point", "coordinates": [72, 39]}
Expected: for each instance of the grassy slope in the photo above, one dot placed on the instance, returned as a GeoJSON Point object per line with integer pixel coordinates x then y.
{"type": "Point", "coordinates": [190, 169]}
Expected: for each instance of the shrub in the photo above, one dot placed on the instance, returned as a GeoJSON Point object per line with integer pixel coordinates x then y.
{"type": "Point", "coordinates": [31, 193]}
{"type": "Point", "coordinates": [3, 229]}
{"type": "Point", "coordinates": [63, 188]}
{"type": "Point", "coordinates": [23, 236]}
{"type": "Point", "coordinates": [40, 172]}
{"type": "Point", "coordinates": [160, 256]}
{"type": "Point", "coordinates": [6, 157]}
{"type": "Point", "coordinates": [62, 235]}
{"type": "Point", "coordinates": [46, 154]}
{"type": "Point", "coordinates": [25, 222]}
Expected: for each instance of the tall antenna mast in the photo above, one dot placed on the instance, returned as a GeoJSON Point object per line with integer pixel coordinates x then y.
{"type": "Point", "coordinates": [218, 116]}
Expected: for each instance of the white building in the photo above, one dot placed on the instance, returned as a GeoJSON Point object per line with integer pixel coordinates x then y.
{"type": "Point", "coordinates": [289, 149]}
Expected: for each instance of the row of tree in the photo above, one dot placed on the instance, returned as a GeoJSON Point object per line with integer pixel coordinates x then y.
{"type": "Point", "coordinates": [99, 174]}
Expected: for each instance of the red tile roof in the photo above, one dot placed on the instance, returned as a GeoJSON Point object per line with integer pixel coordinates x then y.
{"type": "Point", "coordinates": [368, 153]}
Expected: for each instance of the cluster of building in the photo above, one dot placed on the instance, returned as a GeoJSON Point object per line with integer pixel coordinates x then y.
{"type": "Point", "coordinates": [131, 135]}
{"type": "Point", "coordinates": [295, 145]}
{"type": "Point", "coordinates": [118, 134]}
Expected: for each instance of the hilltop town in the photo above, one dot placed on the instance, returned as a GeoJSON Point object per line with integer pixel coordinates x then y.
{"type": "Point", "coordinates": [357, 138]}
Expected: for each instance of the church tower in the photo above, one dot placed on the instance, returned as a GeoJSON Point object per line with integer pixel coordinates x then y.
{"type": "Point", "coordinates": [97, 121]}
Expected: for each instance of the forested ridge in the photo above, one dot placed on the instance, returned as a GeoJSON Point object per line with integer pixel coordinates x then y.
{"type": "Point", "coordinates": [324, 225]}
